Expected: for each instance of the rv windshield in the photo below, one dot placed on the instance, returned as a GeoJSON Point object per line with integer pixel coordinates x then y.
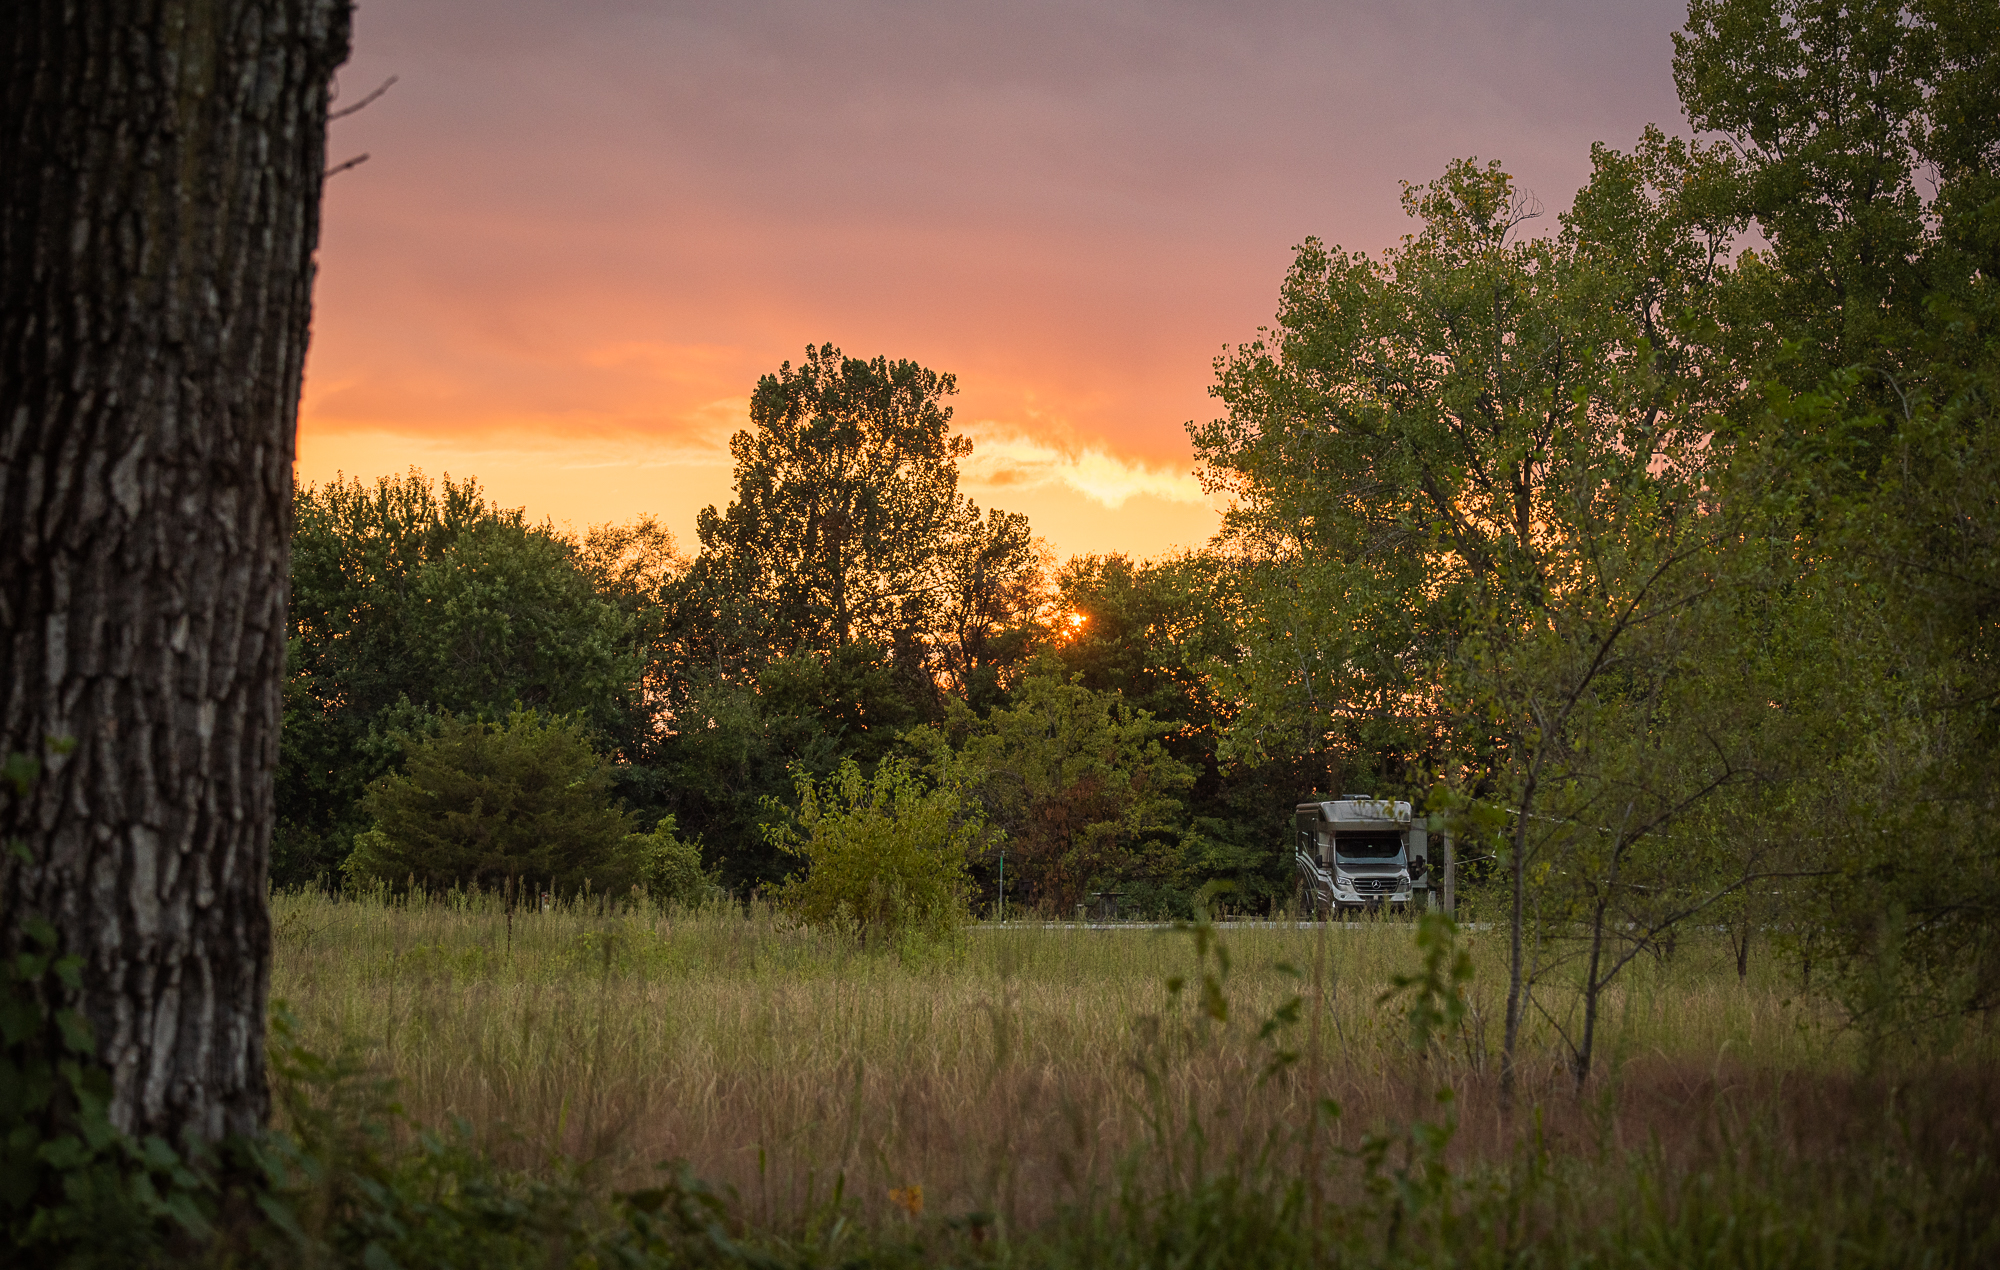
{"type": "Point", "coordinates": [1367, 846]}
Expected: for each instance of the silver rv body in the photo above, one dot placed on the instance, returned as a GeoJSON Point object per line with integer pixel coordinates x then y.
{"type": "Point", "coordinates": [1356, 852]}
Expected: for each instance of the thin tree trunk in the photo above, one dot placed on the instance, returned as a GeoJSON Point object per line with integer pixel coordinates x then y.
{"type": "Point", "coordinates": [1593, 985]}
{"type": "Point", "coordinates": [1516, 920]}
{"type": "Point", "coordinates": [1591, 988]}
{"type": "Point", "coordinates": [1450, 878]}
{"type": "Point", "coordinates": [160, 170]}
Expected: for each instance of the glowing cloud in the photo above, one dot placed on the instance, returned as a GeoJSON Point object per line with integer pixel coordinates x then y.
{"type": "Point", "coordinates": [1003, 461]}
{"type": "Point", "coordinates": [587, 229]}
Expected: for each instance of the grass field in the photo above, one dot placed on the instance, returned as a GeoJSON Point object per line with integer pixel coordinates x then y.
{"type": "Point", "coordinates": [1028, 1072]}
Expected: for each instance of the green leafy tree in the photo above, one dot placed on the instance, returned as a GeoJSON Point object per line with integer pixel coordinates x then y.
{"type": "Point", "coordinates": [1640, 746]}
{"type": "Point", "coordinates": [845, 589]}
{"type": "Point", "coordinates": [1149, 631]}
{"type": "Point", "coordinates": [480, 803]}
{"type": "Point", "coordinates": [724, 756]}
{"type": "Point", "coordinates": [1420, 436]}
{"type": "Point", "coordinates": [1842, 113]}
{"type": "Point", "coordinates": [1077, 781]}
{"type": "Point", "coordinates": [1472, 482]}
{"type": "Point", "coordinates": [355, 550]}
{"type": "Point", "coordinates": [1869, 137]}
{"type": "Point", "coordinates": [669, 866]}
{"type": "Point", "coordinates": [734, 747]}
{"type": "Point", "coordinates": [853, 700]}
{"type": "Point", "coordinates": [504, 615]}
{"type": "Point", "coordinates": [411, 597]}
{"type": "Point", "coordinates": [848, 527]}
{"type": "Point", "coordinates": [846, 487]}
{"type": "Point", "coordinates": [1163, 635]}
{"type": "Point", "coordinates": [885, 856]}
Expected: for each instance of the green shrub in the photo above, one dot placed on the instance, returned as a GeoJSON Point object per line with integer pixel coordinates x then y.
{"type": "Point", "coordinates": [884, 857]}
{"type": "Point", "coordinates": [1079, 782]}
{"type": "Point", "coordinates": [478, 803]}
{"type": "Point", "coordinates": [669, 866]}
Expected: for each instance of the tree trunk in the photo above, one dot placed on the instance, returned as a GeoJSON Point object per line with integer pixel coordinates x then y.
{"type": "Point", "coordinates": [1517, 918]}
{"type": "Point", "coordinates": [1450, 878]}
{"type": "Point", "coordinates": [1593, 981]}
{"type": "Point", "coordinates": [1593, 987]}
{"type": "Point", "coordinates": [160, 172]}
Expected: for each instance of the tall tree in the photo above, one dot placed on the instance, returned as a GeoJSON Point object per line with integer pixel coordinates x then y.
{"type": "Point", "coordinates": [846, 489]}
{"type": "Point", "coordinates": [1417, 436]}
{"type": "Point", "coordinates": [1870, 144]}
{"type": "Point", "coordinates": [1472, 473]}
{"type": "Point", "coordinates": [160, 170]}
{"type": "Point", "coordinates": [842, 592]}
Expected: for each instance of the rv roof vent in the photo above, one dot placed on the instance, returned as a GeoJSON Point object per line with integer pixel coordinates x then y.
{"type": "Point", "coordinates": [1358, 798]}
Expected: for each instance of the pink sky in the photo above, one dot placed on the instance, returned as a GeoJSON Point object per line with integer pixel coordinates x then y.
{"type": "Point", "coordinates": [585, 229]}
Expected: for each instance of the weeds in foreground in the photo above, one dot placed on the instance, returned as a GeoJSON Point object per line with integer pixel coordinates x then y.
{"type": "Point", "coordinates": [994, 1070]}
{"type": "Point", "coordinates": [1242, 1141]}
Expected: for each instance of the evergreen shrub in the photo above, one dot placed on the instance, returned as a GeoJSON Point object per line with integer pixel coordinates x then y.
{"type": "Point", "coordinates": [478, 803]}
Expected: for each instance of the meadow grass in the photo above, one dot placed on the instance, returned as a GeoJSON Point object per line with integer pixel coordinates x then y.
{"type": "Point", "coordinates": [1024, 1074]}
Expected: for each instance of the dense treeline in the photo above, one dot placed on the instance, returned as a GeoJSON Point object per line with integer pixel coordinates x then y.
{"type": "Point", "coordinates": [1660, 550]}
{"type": "Point", "coordinates": [1654, 553]}
{"type": "Point", "coordinates": [849, 606]}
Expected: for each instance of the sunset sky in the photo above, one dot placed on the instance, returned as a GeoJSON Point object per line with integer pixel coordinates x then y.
{"type": "Point", "coordinates": [586, 228]}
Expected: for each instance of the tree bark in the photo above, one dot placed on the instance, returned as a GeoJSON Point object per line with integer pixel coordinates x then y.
{"type": "Point", "coordinates": [1593, 986]}
{"type": "Point", "coordinates": [1516, 920]}
{"type": "Point", "coordinates": [160, 170]}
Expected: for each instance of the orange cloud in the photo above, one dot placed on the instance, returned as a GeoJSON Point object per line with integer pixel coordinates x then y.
{"type": "Point", "coordinates": [587, 229]}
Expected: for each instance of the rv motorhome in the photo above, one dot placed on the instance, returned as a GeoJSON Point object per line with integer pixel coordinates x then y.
{"type": "Point", "coordinates": [1357, 852]}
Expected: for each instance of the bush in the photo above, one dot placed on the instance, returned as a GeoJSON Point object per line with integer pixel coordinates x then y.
{"type": "Point", "coordinates": [884, 857]}
{"type": "Point", "coordinates": [478, 803]}
{"type": "Point", "coordinates": [1079, 782]}
{"type": "Point", "coordinates": [670, 867]}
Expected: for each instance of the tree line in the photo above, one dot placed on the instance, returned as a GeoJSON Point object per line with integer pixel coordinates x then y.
{"type": "Point", "coordinates": [1657, 552]}
{"type": "Point", "coordinates": [849, 605]}
{"type": "Point", "coordinates": [1652, 551]}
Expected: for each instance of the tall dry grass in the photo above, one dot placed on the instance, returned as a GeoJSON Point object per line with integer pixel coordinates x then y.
{"type": "Point", "coordinates": [1016, 1071]}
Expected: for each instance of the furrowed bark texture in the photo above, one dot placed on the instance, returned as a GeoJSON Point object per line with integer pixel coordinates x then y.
{"type": "Point", "coordinates": [160, 169]}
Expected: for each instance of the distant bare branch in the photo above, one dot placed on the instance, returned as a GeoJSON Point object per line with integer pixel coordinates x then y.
{"type": "Point", "coordinates": [354, 162]}
{"type": "Point", "coordinates": [345, 111]}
